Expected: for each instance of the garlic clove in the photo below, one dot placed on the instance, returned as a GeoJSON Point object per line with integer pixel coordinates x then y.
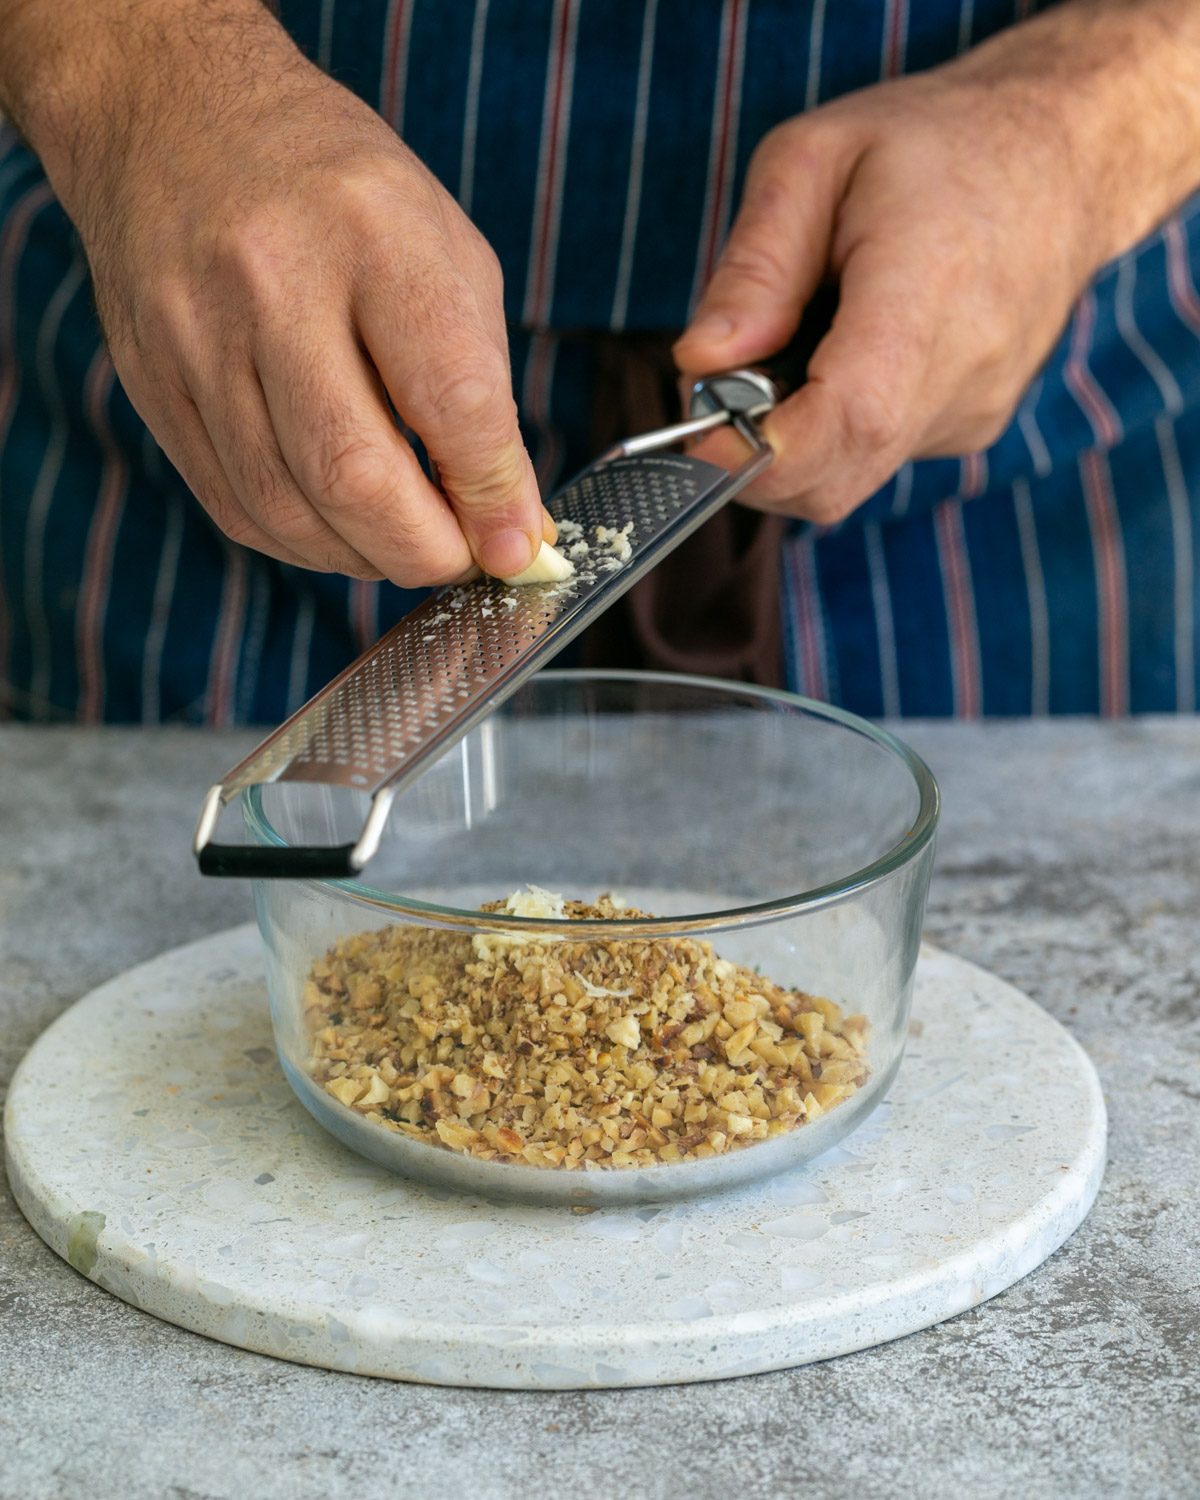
{"type": "Point", "coordinates": [548, 566]}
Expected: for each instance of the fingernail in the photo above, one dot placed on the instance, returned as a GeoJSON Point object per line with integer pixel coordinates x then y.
{"type": "Point", "coordinates": [713, 328]}
{"type": "Point", "coordinates": [505, 553]}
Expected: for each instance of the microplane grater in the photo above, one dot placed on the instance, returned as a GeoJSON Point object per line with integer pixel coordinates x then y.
{"type": "Point", "coordinates": [467, 647]}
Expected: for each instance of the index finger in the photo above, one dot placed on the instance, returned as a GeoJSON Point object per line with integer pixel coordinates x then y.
{"type": "Point", "coordinates": [866, 399]}
{"type": "Point", "coordinates": [449, 378]}
{"type": "Point", "coordinates": [340, 443]}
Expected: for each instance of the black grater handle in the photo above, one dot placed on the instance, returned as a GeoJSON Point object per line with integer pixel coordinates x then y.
{"type": "Point", "coordinates": [259, 862]}
{"type": "Point", "coordinates": [278, 861]}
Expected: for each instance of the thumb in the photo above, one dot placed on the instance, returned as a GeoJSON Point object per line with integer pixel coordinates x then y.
{"type": "Point", "coordinates": [773, 260]}
{"type": "Point", "coordinates": [451, 383]}
{"type": "Point", "coordinates": [485, 471]}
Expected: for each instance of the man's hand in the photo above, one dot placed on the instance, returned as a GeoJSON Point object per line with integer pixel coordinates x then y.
{"type": "Point", "coordinates": [271, 265]}
{"type": "Point", "coordinates": [961, 211]}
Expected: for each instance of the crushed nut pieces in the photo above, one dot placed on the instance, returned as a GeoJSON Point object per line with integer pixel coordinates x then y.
{"type": "Point", "coordinates": [584, 1054]}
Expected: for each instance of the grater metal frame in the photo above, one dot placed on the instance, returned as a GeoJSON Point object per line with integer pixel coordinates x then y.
{"type": "Point", "coordinates": [375, 728]}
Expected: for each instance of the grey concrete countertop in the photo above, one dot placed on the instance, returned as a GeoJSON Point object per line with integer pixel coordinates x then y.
{"type": "Point", "coordinates": [1069, 864]}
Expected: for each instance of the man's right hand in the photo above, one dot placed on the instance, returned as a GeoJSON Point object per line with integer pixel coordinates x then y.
{"type": "Point", "coordinates": [271, 264]}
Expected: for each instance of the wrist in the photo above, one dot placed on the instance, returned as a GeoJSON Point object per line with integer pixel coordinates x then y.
{"type": "Point", "coordinates": [88, 81]}
{"type": "Point", "coordinates": [1116, 82]}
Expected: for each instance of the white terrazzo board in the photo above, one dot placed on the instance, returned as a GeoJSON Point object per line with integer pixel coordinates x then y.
{"type": "Point", "coordinates": [177, 1170]}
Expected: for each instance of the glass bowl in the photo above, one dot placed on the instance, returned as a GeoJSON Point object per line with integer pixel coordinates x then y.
{"type": "Point", "coordinates": [793, 838]}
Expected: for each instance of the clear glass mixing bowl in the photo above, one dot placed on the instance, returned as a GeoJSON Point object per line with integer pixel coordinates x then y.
{"type": "Point", "coordinates": [794, 838]}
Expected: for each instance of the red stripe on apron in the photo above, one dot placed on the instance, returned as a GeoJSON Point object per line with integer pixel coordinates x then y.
{"type": "Point", "coordinates": [972, 476]}
{"type": "Point", "coordinates": [959, 594]}
{"type": "Point", "coordinates": [222, 672]}
{"type": "Point", "coordinates": [1082, 383]}
{"type": "Point", "coordinates": [548, 200]}
{"type": "Point", "coordinates": [1111, 596]}
{"type": "Point", "coordinates": [809, 631]}
{"type": "Point", "coordinates": [1179, 276]}
{"type": "Point", "coordinates": [391, 92]}
{"type": "Point", "coordinates": [538, 387]}
{"type": "Point", "coordinates": [729, 69]}
{"type": "Point", "coordinates": [364, 611]}
{"type": "Point", "coordinates": [96, 578]}
{"type": "Point", "coordinates": [12, 245]}
{"type": "Point", "coordinates": [895, 32]}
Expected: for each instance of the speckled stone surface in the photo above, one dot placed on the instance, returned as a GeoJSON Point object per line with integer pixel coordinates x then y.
{"type": "Point", "coordinates": [1068, 864]}
{"type": "Point", "coordinates": [201, 1191]}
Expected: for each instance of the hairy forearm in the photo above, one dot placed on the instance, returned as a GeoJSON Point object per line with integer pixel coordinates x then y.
{"type": "Point", "coordinates": [78, 76]}
{"type": "Point", "coordinates": [1126, 74]}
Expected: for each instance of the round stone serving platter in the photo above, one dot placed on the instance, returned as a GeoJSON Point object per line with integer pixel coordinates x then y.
{"type": "Point", "coordinates": [153, 1142]}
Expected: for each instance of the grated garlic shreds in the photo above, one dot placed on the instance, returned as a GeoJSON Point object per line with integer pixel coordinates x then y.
{"type": "Point", "coordinates": [610, 550]}
{"type": "Point", "coordinates": [600, 992]}
{"type": "Point", "coordinates": [533, 901]}
{"type": "Point", "coordinates": [616, 541]}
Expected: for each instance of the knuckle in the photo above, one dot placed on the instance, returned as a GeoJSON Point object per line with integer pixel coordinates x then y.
{"type": "Point", "coordinates": [420, 554]}
{"type": "Point", "coordinates": [795, 149]}
{"type": "Point", "coordinates": [161, 320]}
{"type": "Point", "coordinates": [369, 193]}
{"type": "Point", "coordinates": [993, 355]}
{"type": "Point", "coordinates": [773, 191]}
{"type": "Point", "coordinates": [756, 262]}
{"type": "Point", "coordinates": [472, 389]}
{"type": "Point", "coordinates": [383, 263]}
{"type": "Point", "coordinates": [413, 570]}
{"type": "Point", "coordinates": [347, 562]}
{"type": "Point", "coordinates": [496, 479]}
{"type": "Point", "coordinates": [434, 575]}
{"type": "Point", "coordinates": [273, 499]}
{"type": "Point", "coordinates": [359, 187]}
{"type": "Point", "coordinates": [872, 419]}
{"type": "Point", "coordinates": [286, 514]}
{"type": "Point", "coordinates": [345, 473]}
{"type": "Point", "coordinates": [774, 149]}
{"type": "Point", "coordinates": [231, 518]}
{"type": "Point", "coordinates": [255, 253]}
{"type": "Point", "coordinates": [355, 475]}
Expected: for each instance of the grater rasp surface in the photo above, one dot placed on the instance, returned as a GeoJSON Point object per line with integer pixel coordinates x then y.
{"type": "Point", "coordinates": [460, 653]}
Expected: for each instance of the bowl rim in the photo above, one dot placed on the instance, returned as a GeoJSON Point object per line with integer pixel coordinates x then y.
{"type": "Point", "coordinates": [431, 914]}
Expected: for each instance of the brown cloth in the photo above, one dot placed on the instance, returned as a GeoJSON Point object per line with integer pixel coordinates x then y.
{"type": "Point", "coordinates": [711, 607]}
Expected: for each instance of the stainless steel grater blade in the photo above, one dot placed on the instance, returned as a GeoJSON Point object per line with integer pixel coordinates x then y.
{"type": "Point", "coordinates": [461, 652]}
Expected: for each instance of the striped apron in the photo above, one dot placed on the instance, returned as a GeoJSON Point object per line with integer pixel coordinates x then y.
{"type": "Point", "coordinates": [600, 145]}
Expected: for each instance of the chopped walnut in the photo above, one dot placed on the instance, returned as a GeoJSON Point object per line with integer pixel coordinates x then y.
{"type": "Point", "coordinates": [584, 1054]}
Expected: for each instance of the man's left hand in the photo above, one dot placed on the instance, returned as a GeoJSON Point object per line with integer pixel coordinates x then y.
{"type": "Point", "coordinates": [961, 212]}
